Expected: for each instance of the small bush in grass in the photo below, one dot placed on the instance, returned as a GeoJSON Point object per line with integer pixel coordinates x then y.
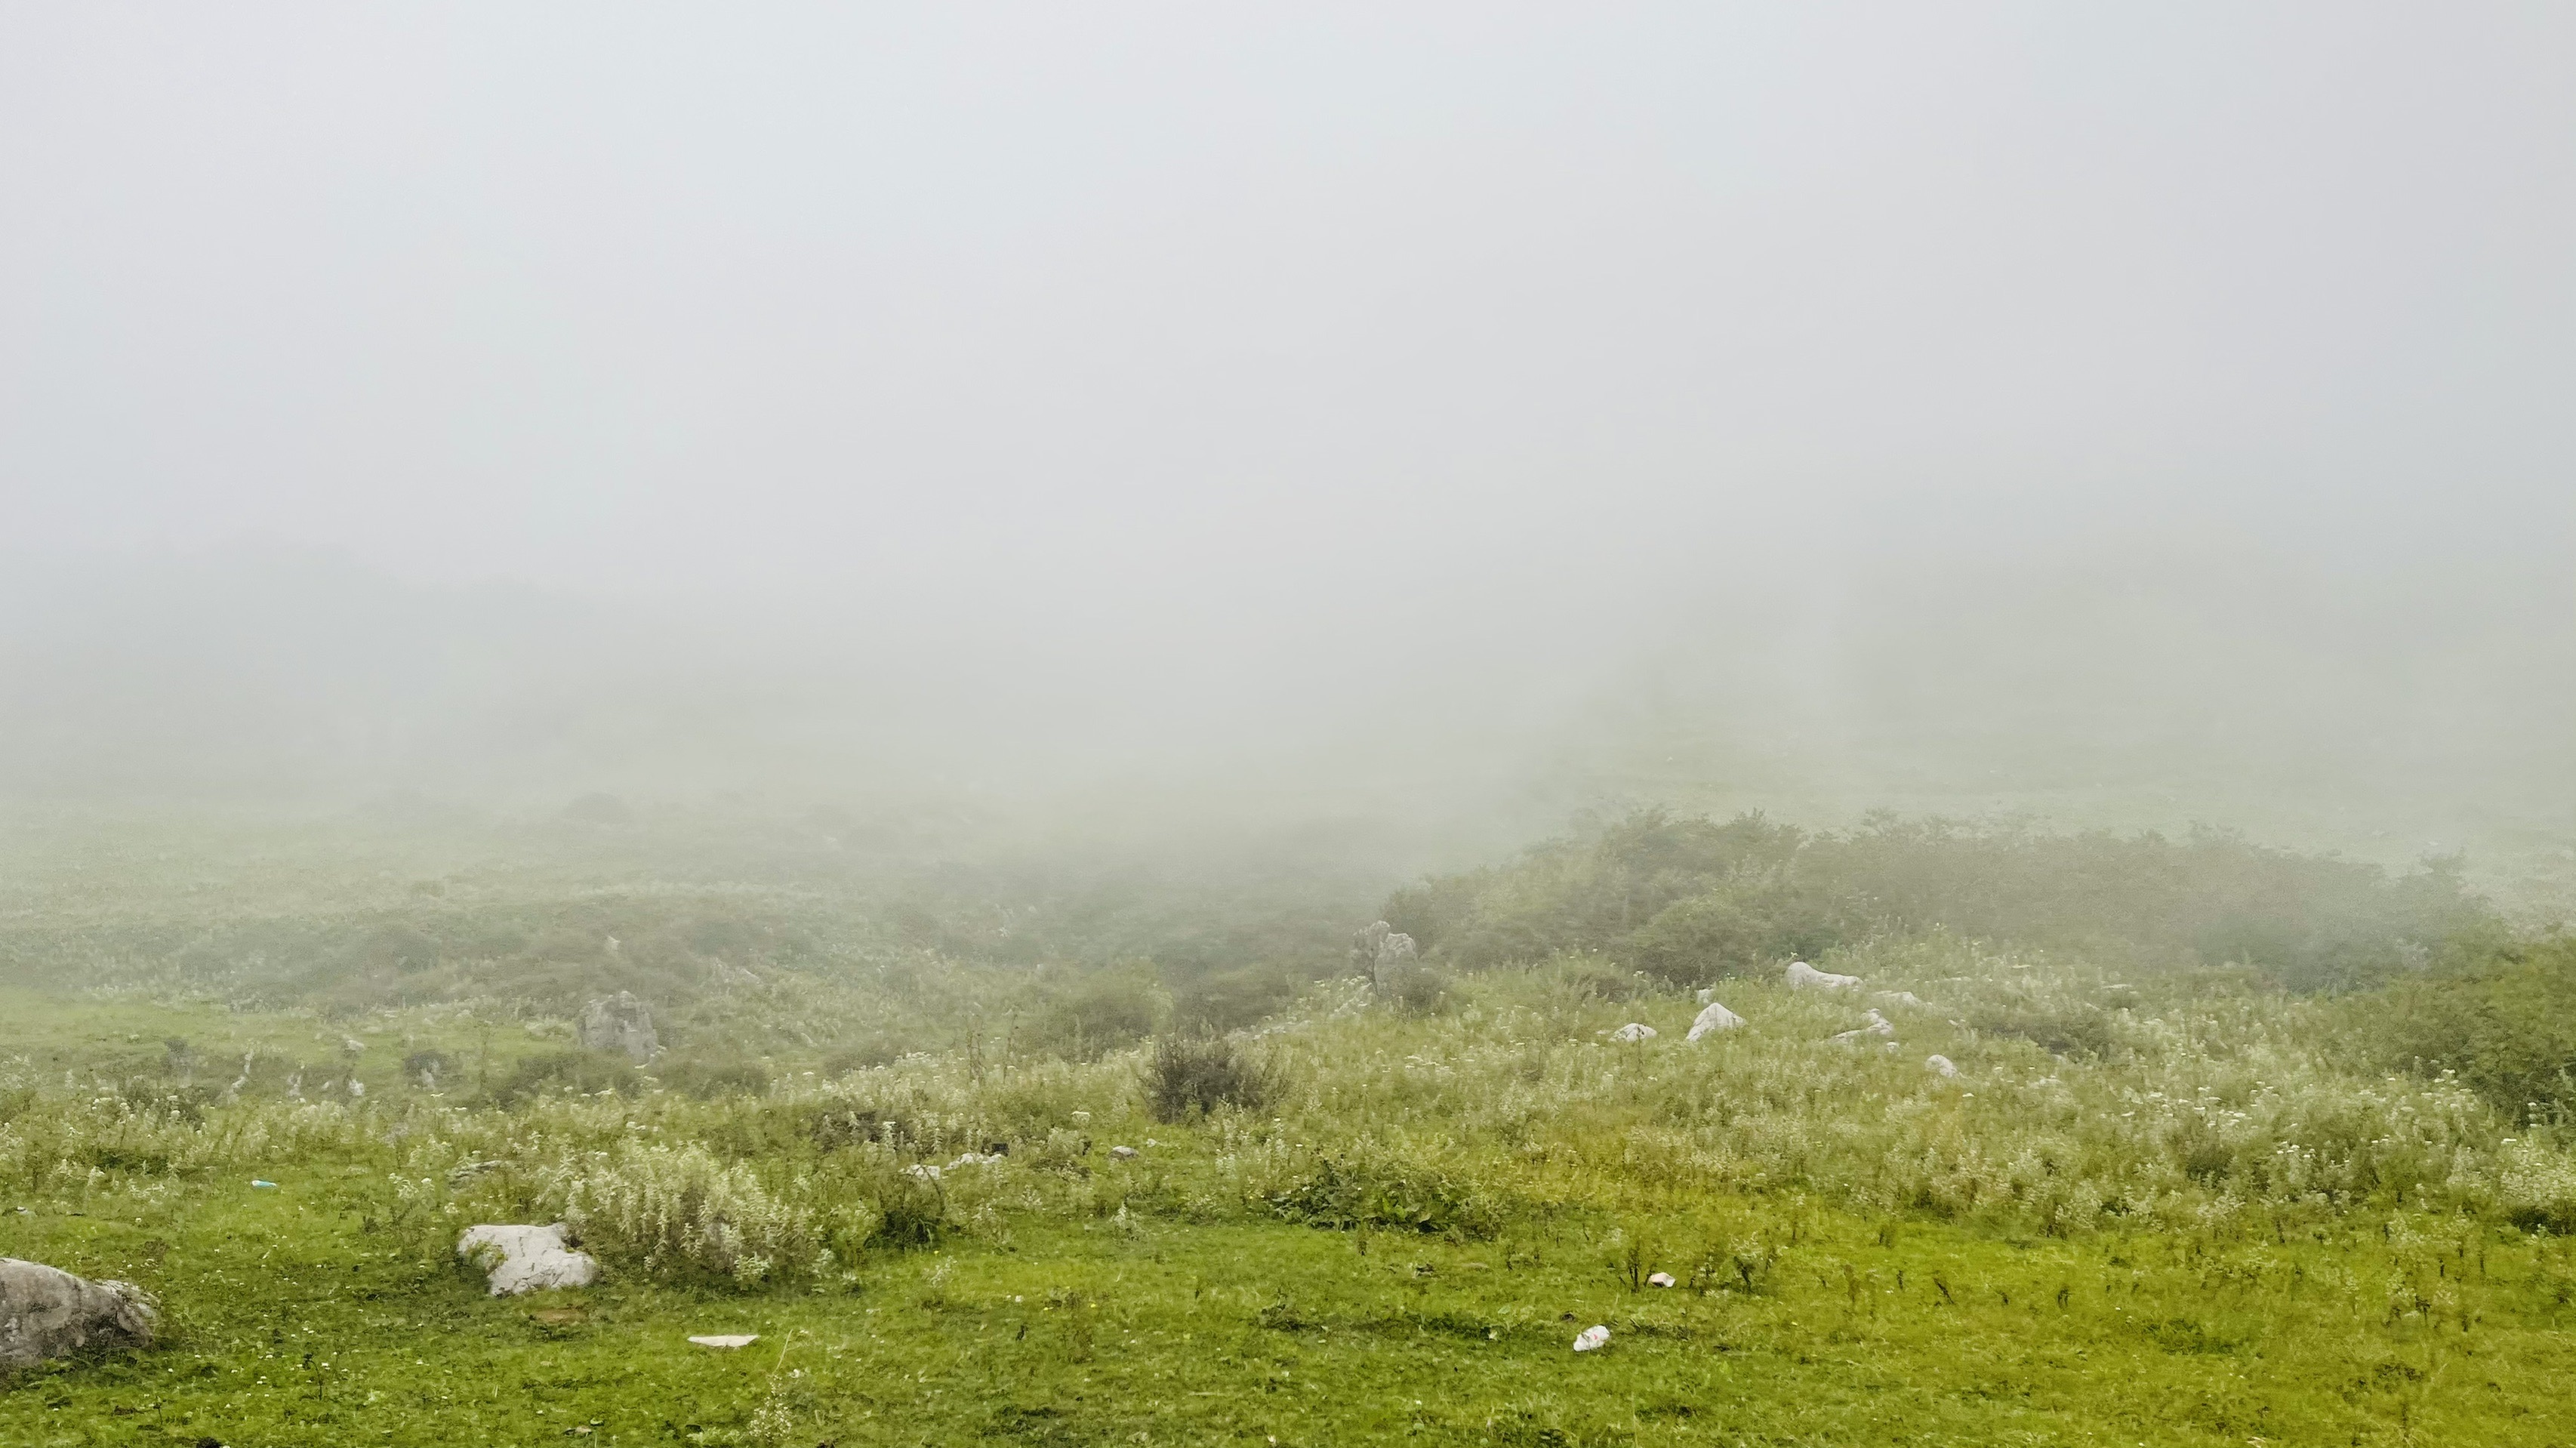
{"type": "Point", "coordinates": [910, 1213]}
{"type": "Point", "coordinates": [585, 1073]}
{"type": "Point", "coordinates": [679, 1211]}
{"type": "Point", "coordinates": [707, 1080]}
{"type": "Point", "coordinates": [1185, 1077]}
{"type": "Point", "coordinates": [1367, 1189]}
{"type": "Point", "coordinates": [1414, 988]}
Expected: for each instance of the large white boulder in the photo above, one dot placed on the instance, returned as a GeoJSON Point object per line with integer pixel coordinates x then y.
{"type": "Point", "coordinates": [1633, 1032]}
{"type": "Point", "coordinates": [619, 1023]}
{"type": "Point", "coordinates": [526, 1259]}
{"type": "Point", "coordinates": [1803, 976]}
{"type": "Point", "coordinates": [1713, 1017]}
{"type": "Point", "coordinates": [46, 1312]}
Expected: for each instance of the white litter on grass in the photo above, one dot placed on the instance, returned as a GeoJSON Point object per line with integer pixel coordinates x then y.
{"type": "Point", "coordinates": [1592, 1337]}
{"type": "Point", "coordinates": [1803, 976]}
{"type": "Point", "coordinates": [727, 1339]}
{"type": "Point", "coordinates": [1660, 1279]}
{"type": "Point", "coordinates": [922, 1171]}
{"type": "Point", "coordinates": [1633, 1032]}
{"type": "Point", "coordinates": [1940, 1066]}
{"type": "Point", "coordinates": [1714, 1018]}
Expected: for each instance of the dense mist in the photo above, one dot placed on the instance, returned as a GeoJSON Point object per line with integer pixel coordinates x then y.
{"type": "Point", "coordinates": [2143, 417]}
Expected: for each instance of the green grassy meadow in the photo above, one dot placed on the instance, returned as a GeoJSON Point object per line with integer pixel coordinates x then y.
{"type": "Point", "coordinates": [2177, 1193]}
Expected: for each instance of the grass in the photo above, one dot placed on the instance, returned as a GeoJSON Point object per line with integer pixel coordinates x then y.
{"type": "Point", "coordinates": [294, 1325]}
{"type": "Point", "coordinates": [2172, 1206]}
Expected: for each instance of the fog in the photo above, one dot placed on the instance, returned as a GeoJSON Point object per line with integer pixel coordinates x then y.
{"type": "Point", "coordinates": [1954, 406]}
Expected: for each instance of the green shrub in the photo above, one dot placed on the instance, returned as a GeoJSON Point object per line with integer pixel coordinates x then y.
{"type": "Point", "coordinates": [1186, 1077]}
{"type": "Point", "coordinates": [1689, 899]}
{"type": "Point", "coordinates": [709, 1079]}
{"type": "Point", "coordinates": [2504, 1023]}
{"type": "Point", "coordinates": [1368, 1189]}
{"type": "Point", "coordinates": [581, 1072]}
{"type": "Point", "coordinates": [1099, 1012]}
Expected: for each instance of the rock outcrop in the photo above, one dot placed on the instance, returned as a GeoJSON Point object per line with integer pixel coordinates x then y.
{"type": "Point", "coordinates": [526, 1258]}
{"type": "Point", "coordinates": [46, 1312]}
{"type": "Point", "coordinates": [1381, 951]}
{"type": "Point", "coordinates": [1712, 1017]}
{"type": "Point", "coordinates": [1803, 976]}
{"type": "Point", "coordinates": [619, 1023]}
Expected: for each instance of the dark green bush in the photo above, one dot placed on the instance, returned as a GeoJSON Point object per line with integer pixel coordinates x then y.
{"type": "Point", "coordinates": [2504, 1020]}
{"type": "Point", "coordinates": [911, 1213]}
{"type": "Point", "coordinates": [1230, 1000]}
{"type": "Point", "coordinates": [582, 1072]}
{"type": "Point", "coordinates": [709, 1079]}
{"type": "Point", "coordinates": [1349, 1190]}
{"type": "Point", "coordinates": [1186, 1077]}
{"type": "Point", "coordinates": [1098, 1012]}
{"type": "Point", "coordinates": [429, 1070]}
{"type": "Point", "coordinates": [1689, 899]}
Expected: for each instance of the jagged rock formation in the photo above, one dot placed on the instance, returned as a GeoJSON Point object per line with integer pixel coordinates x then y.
{"type": "Point", "coordinates": [1380, 951]}
{"type": "Point", "coordinates": [619, 1023]}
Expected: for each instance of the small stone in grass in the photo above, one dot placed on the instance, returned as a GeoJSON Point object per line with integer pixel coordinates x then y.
{"type": "Point", "coordinates": [1123, 1153]}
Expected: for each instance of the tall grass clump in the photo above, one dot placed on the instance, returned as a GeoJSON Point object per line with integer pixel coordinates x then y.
{"type": "Point", "coordinates": [1186, 1077]}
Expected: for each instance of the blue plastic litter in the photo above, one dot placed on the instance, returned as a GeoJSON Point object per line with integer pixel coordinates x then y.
{"type": "Point", "coordinates": [254, 1181]}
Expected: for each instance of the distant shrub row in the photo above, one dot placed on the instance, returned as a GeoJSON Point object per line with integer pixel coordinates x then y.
{"type": "Point", "coordinates": [1690, 899]}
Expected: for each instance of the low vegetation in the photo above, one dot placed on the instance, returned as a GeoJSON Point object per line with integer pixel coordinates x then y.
{"type": "Point", "coordinates": [2242, 1145]}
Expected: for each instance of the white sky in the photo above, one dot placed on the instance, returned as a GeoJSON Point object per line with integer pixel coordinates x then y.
{"type": "Point", "coordinates": [1247, 299]}
{"type": "Point", "coordinates": [1205, 369]}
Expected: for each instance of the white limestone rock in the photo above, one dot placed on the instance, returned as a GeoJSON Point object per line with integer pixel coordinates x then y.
{"type": "Point", "coordinates": [1941, 1066]}
{"type": "Point", "coordinates": [619, 1023]}
{"type": "Point", "coordinates": [1877, 1025]}
{"type": "Point", "coordinates": [1633, 1032]}
{"type": "Point", "coordinates": [526, 1258]}
{"type": "Point", "coordinates": [1803, 976]}
{"type": "Point", "coordinates": [1382, 952]}
{"type": "Point", "coordinates": [1712, 1017]}
{"type": "Point", "coordinates": [46, 1312]}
